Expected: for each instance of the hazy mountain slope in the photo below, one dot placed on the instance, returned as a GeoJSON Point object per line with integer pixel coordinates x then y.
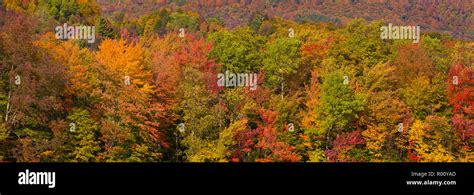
{"type": "Point", "coordinates": [452, 17]}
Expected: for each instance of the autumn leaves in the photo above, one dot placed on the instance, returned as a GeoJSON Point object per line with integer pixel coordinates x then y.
{"type": "Point", "coordinates": [175, 87]}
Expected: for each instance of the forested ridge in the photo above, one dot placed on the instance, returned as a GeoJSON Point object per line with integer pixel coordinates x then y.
{"type": "Point", "coordinates": [454, 17]}
{"type": "Point", "coordinates": [329, 89]}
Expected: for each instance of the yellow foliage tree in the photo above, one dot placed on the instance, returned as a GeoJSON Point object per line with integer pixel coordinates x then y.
{"type": "Point", "coordinates": [425, 147]}
{"type": "Point", "coordinates": [215, 150]}
{"type": "Point", "coordinates": [127, 61]}
{"type": "Point", "coordinates": [375, 139]}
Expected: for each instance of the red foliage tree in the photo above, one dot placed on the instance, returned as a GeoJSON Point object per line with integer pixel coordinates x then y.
{"type": "Point", "coordinates": [343, 144]}
{"type": "Point", "coordinates": [461, 97]}
{"type": "Point", "coordinates": [273, 150]}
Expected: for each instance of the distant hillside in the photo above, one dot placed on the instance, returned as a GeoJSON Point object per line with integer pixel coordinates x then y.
{"type": "Point", "coordinates": [452, 17]}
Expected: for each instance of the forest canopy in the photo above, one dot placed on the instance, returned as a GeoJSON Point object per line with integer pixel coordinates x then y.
{"type": "Point", "coordinates": [147, 88]}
